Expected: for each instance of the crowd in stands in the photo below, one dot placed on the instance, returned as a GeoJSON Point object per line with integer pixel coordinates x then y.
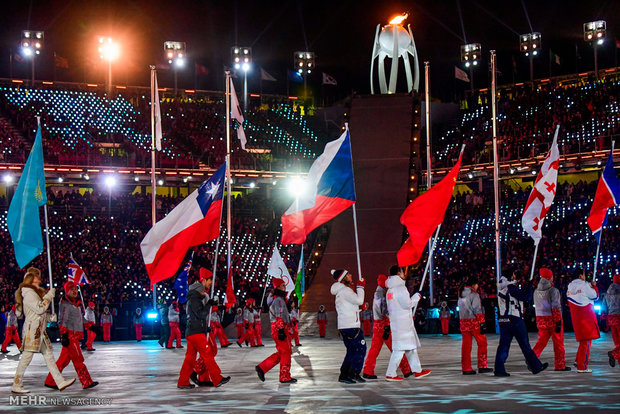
{"type": "Point", "coordinates": [588, 114]}
{"type": "Point", "coordinates": [88, 128]}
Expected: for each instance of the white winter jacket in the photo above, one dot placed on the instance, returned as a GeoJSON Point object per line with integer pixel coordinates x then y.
{"type": "Point", "coordinates": [581, 293]}
{"type": "Point", "coordinates": [399, 304]}
{"type": "Point", "coordinates": [348, 305]}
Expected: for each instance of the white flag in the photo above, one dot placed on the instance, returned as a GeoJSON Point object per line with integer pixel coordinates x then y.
{"type": "Point", "coordinates": [543, 193]}
{"type": "Point", "coordinates": [460, 74]}
{"type": "Point", "coordinates": [156, 110]}
{"type": "Point", "coordinates": [329, 80]}
{"type": "Point", "coordinates": [264, 75]}
{"type": "Point", "coordinates": [237, 115]}
{"type": "Point", "coordinates": [277, 269]}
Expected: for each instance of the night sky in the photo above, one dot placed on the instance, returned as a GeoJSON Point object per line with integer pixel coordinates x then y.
{"type": "Point", "coordinates": [339, 32]}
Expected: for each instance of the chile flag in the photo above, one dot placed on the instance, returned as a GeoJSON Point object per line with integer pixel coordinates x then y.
{"type": "Point", "coordinates": [607, 195]}
{"type": "Point", "coordinates": [330, 191]}
{"type": "Point", "coordinates": [196, 220]}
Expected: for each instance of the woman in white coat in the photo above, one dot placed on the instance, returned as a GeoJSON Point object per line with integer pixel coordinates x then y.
{"type": "Point", "coordinates": [404, 337]}
{"type": "Point", "coordinates": [32, 301]}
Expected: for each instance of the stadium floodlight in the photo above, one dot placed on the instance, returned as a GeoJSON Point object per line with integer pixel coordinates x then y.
{"type": "Point", "coordinates": [530, 44]}
{"type": "Point", "coordinates": [297, 186]}
{"type": "Point", "coordinates": [176, 53]}
{"type": "Point", "coordinates": [109, 51]}
{"type": "Point", "coordinates": [470, 54]}
{"type": "Point", "coordinates": [32, 44]}
{"type": "Point", "coordinates": [304, 62]}
{"type": "Point", "coordinates": [241, 57]}
{"type": "Point", "coordinates": [110, 181]}
{"type": "Point", "coordinates": [595, 32]}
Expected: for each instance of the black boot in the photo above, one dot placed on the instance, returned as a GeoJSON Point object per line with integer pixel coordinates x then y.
{"type": "Point", "coordinates": [345, 379]}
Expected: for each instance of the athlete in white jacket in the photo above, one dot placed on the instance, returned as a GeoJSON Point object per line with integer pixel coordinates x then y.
{"type": "Point", "coordinates": [404, 336]}
{"type": "Point", "coordinates": [349, 298]}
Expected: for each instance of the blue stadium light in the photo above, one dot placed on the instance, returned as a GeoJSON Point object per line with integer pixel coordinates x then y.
{"type": "Point", "coordinates": [151, 315]}
{"type": "Point", "coordinates": [597, 308]}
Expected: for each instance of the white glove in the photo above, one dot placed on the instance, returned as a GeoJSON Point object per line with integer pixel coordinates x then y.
{"type": "Point", "coordinates": [416, 297]}
{"type": "Point", "coordinates": [53, 317]}
{"type": "Point", "coordinates": [50, 294]}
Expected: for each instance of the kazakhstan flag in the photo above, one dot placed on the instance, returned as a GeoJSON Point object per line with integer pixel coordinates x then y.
{"type": "Point", "coordinates": [23, 215]}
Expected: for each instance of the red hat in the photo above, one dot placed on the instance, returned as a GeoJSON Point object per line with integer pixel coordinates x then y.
{"type": "Point", "coordinates": [277, 282]}
{"type": "Point", "coordinates": [68, 285]}
{"type": "Point", "coordinates": [205, 273]}
{"type": "Point", "coordinates": [617, 278]}
{"type": "Point", "coordinates": [250, 301]}
{"type": "Point", "coordinates": [381, 280]}
{"type": "Point", "coordinates": [91, 304]}
{"type": "Point", "coordinates": [546, 273]}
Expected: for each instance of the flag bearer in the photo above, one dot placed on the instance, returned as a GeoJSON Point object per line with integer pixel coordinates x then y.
{"type": "Point", "coordinates": [581, 295]}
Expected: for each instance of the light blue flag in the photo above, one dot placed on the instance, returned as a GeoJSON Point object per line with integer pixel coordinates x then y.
{"type": "Point", "coordinates": [23, 215]}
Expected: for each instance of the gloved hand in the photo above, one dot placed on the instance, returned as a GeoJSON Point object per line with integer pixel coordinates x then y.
{"type": "Point", "coordinates": [64, 339]}
{"type": "Point", "coordinates": [53, 317]}
{"type": "Point", "coordinates": [211, 302]}
{"type": "Point", "coordinates": [247, 326]}
{"type": "Point", "coordinates": [417, 296]}
{"type": "Point", "coordinates": [361, 282]}
{"type": "Point", "coordinates": [558, 327]}
{"type": "Point", "coordinates": [281, 334]}
{"type": "Point", "coordinates": [50, 294]}
{"type": "Point", "coordinates": [483, 327]}
{"type": "Point", "coordinates": [386, 332]}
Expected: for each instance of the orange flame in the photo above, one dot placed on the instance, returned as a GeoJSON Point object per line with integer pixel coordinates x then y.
{"type": "Point", "coordinates": [399, 19]}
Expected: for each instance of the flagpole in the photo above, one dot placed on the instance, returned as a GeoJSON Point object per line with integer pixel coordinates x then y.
{"type": "Point", "coordinates": [49, 253]}
{"type": "Point", "coordinates": [598, 249]}
{"type": "Point", "coordinates": [228, 177]}
{"type": "Point", "coordinates": [153, 182]}
{"type": "Point", "coordinates": [264, 290]}
{"type": "Point", "coordinates": [81, 297]}
{"type": "Point", "coordinates": [498, 254]}
{"type": "Point", "coordinates": [430, 253]}
{"type": "Point", "coordinates": [357, 242]}
{"type": "Point", "coordinates": [429, 179]}
{"type": "Point", "coordinates": [534, 260]}
{"type": "Point", "coordinates": [217, 249]}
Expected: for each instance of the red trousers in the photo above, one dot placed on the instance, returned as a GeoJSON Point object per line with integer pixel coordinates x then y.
{"type": "Point", "coordinates": [558, 345]}
{"type": "Point", "coordinates": [583, 354]}
{"type": "Point", "coordinates": [257, 332]}
{"type": "Point", "coordinates": [175, 333]}
{"type": "Point", "coordinates": [239, 331]}
{"type": "Point", "coordinates": [138, 331]}
{"type": "Point", "coordinates": [375, 348]}
{"type": "Point", "coordinates": [322, 327]}
{"type": "Point", "coordinates": [445, 325]}
{"type": "Point", "coordinates": [282, 355]}
{"type": "Point", "coordinates": [218, 332]}
{"type": "Point", "coordinates": [90, 335]}
{"type": "Point", "coordinates": [10, 334]}
{"type": "Point", "coordinates": [367, 327]}
{"type": "Point", "coordinates": [481, 341]}
{"type": "Point", "coordinates": [295, 330]}
{"type": "Point", "coordinates": [249, 336]}
{"type": "Point", "coordinates": [615, 333]}
{"type": "Point", "coordinates": [197, 344]}
{"type": "Point", "coordinates": [106, 331]}
{"type": "Point", "coordinates": [72, 353]}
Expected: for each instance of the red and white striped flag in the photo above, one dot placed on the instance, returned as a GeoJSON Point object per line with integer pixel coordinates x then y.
{"type": "Point", "coordinates": [543, 193]}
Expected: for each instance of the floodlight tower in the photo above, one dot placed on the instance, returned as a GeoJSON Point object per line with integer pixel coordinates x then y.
{"type": "Point", "coordinates": [175, 53]}
{"type": "Point", "coordinates": [594, 32]}
{"type": "Point", "coordinates": [304, 63]}
{"type": "Point", "coordinates": [32, 44]}
{"type": "Point", "coordinates": [470, 54]}
{"type": "Point", "coordinates": [242, 59]}
{"type": "Point", "coordinates": [394, 41]}
{"type": "Point", "coordinates": [108, 50]}
{"type": "Point", "coordinates": [530, 45]}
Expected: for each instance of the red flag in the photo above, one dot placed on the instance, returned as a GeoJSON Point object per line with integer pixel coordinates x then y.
{"type": "Point", "coordinates": [201, 70]}
{"type": "Point", "coordinates": [424, 215]}
{"type": "Point", "coordinates": [230, 291]}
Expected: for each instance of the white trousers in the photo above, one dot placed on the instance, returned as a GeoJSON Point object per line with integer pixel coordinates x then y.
{"type": "Point", "coordinates": [397, 356]}
{"type": "Point", "coordinates": [26, 359]}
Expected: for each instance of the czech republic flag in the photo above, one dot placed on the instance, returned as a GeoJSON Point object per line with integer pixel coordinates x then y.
{"type": "Point", "coordinates": [329, 191]}
{"type": "Point", "coordinates": [607, 195]}
{"type": "Point", "coordinates": [196, 220]}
